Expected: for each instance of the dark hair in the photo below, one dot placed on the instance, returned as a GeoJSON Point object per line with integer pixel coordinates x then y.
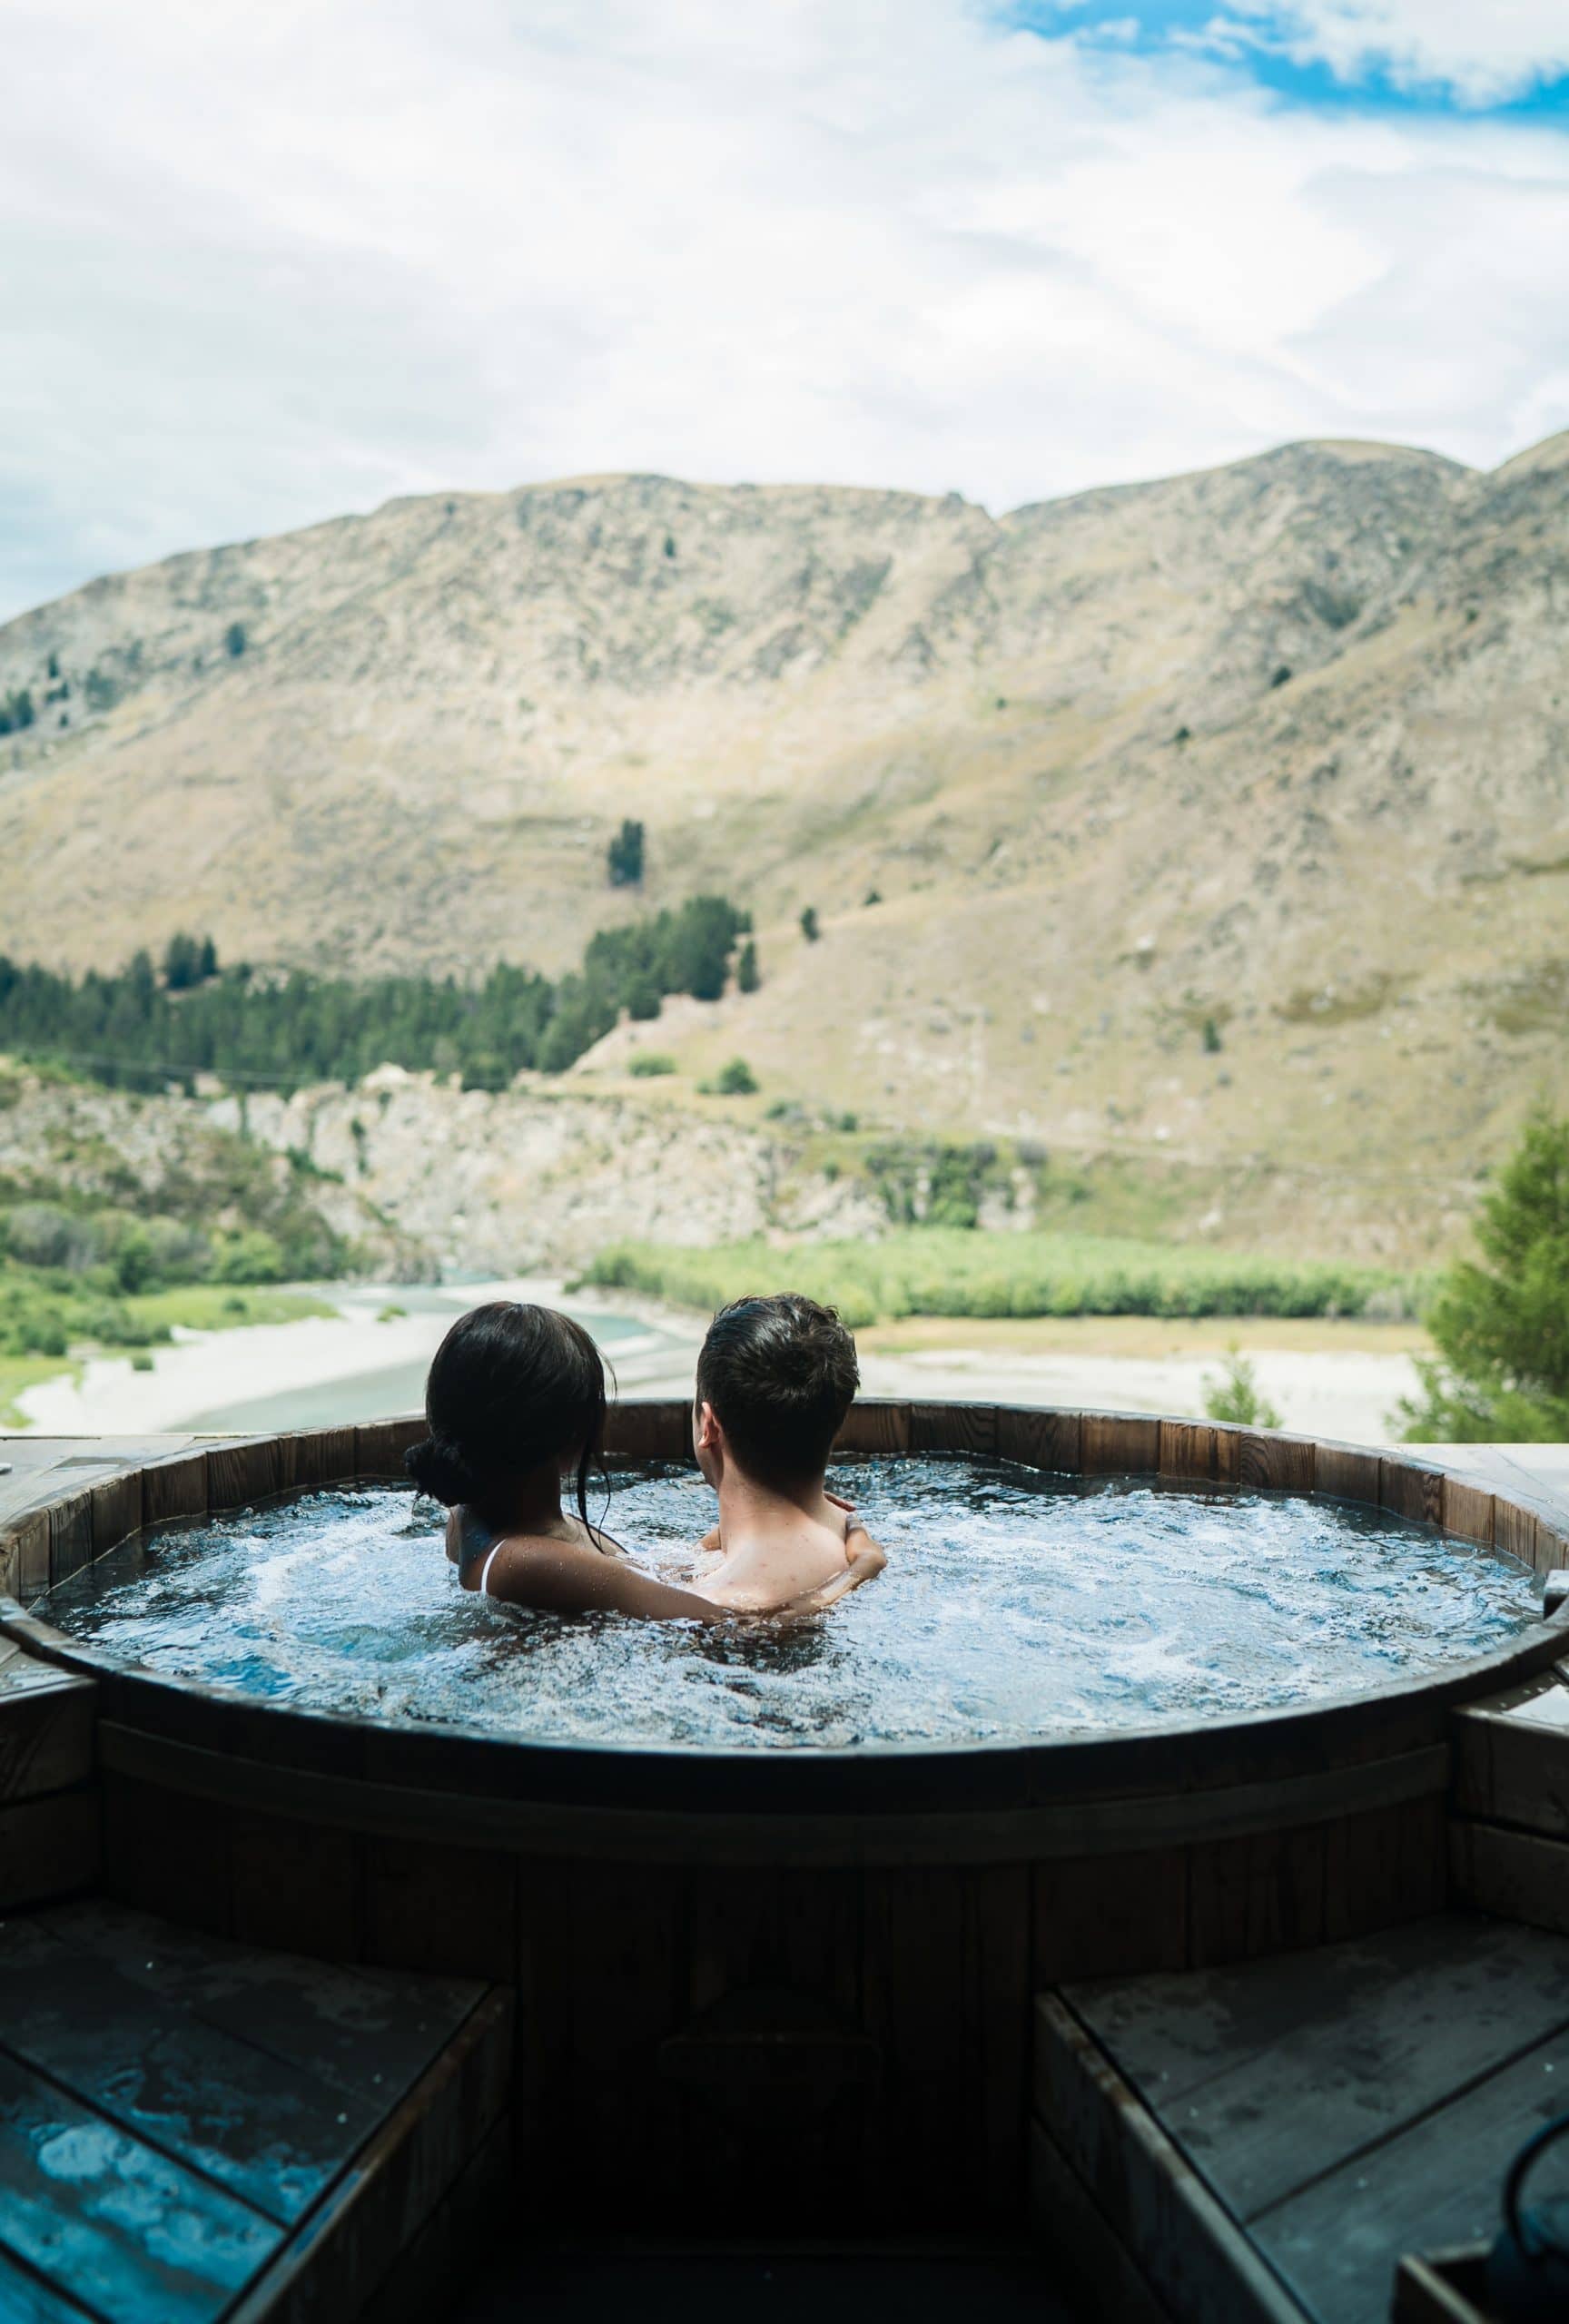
{"type": "Point", "coordinates": [509, 1388]}
{"type": "Point", "coordinates": [781, 1374]}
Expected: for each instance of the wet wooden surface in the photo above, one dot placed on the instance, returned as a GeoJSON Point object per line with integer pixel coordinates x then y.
{"type": "Point", "coordinates": [174, 2109]}
{"type": "Point", "coordinates": [1342, 2106]}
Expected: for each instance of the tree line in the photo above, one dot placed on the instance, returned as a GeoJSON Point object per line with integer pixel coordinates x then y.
{"type": "Point", "coordinates": [147, 1025]}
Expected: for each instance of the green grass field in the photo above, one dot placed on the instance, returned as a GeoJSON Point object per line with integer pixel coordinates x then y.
{"type": "Point", "coordinates": [933, 1271]}
{"type": "Point", "coordinates": [148, 1318]}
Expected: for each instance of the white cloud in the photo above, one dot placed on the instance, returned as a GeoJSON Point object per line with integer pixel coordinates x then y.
{"type": "Point", "coordinates": [1485, 51]}
{"type": "Point", "coordinates": [263, 264]}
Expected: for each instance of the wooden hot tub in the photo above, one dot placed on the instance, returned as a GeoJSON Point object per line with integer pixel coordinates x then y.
{"type": "Point", "coordinates": [825, 1959]}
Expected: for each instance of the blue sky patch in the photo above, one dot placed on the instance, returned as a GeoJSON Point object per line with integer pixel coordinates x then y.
{"type": "Point", "coordinates": [1256, 48]}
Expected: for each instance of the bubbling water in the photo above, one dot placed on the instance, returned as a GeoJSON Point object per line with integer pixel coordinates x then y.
{"type": "Point", "coordinates": [1015, 1606]}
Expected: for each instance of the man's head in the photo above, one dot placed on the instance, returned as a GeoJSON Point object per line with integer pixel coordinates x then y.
{"type": "Point", "coordinates": [774, 1381]}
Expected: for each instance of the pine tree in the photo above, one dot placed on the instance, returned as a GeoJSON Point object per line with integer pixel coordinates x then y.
{"type": "Point", "coordinates": [747, 977]}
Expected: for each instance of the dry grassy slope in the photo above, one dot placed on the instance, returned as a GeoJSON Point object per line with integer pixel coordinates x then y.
{"type": "Point", "coordinates": [1361, 873]}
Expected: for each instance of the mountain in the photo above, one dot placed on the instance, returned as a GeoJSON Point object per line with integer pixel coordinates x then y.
{"type": "Point", "coordinates": [1274, 757]}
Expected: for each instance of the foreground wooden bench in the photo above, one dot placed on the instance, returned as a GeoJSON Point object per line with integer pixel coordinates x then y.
{"type": "Point", "coordinates": [1260, 2144]}
{"type": "Point", "coordinates": [192, 2130]}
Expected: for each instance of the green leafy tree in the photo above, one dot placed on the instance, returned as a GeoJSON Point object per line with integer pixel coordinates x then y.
{"type": "Point", "coordinates": [236, 640]}
{"type": "Point", "coordinates": [735, 1079]}
{"type": "Point", "coordinates": [747, 977]}
{"type": "Point", "coordinates": [809, 928]}
{"type": "Point", "coordinates": [624, 855]}
{"type": "Point", "coordinates": [1502, 1327]}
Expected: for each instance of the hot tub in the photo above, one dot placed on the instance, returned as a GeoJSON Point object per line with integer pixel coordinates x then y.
{"type": "Point", "coordinates": [822, 1960]}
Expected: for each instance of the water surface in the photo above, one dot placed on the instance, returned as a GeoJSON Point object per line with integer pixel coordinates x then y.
{"type": "Point", "coordinates": [1015, 1606]}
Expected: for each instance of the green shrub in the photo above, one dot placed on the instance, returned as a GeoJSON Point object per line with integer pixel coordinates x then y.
{"type": "Point", "coordinates": [940, 1271]}
{"type": "Point", "coordinates": [648, 1065]}
{"type": "Point", "coordinates": [735, 1079]}
{"type": "Point", "coordinates": [1502, 1328]}
{"type": "Point", "coordinates": [1236, 1395]}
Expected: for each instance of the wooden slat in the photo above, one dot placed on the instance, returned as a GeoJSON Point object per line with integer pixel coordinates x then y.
{"type": "Point", "coordinates": [379, 1446]}
{"type": "Point", "coordinates": [24, 1554]}
{"type": "Point", "coordinates": [1271, 2073]}
{"type": "Point", "coordinates": [1189, 1449]}
{"type": "Point", "coordinates": [375, 2211]}
{"type": "Point", "coordinates": [1384, 1866]}
{"type": "Point", "coordinates": [47, 1720]}
{"type": "Point", "coordinates": [116, 1511]}
{"type": "Point", "coordinates": [1077, 2243]}
{"type": "Point", "coordinates": [123, 2228]}
{"type": "Point", "coordinates": [447, 1908]}
{"type": "Point", "coordinates": [953, 1428]}
{"type": "Point", "coordinates": [324, 1456]}
{"type": "Point", "coordinates": [1116, 1444]}
{"type": "Point", "coordinates": [1514, 1529]}
{"type": "Point", "coordinates": [49, 1846]}
{"type": "Point", "coordinates": [247, 1471]}
{"type": "Point", "coordinates": [70, 1535]}
{"type": "Point", "coordinates": [1467, 1511]}
{"type": "Point", "coordinates": [1411, 1490]}
{"type": "Point", "coordinates": [1043, 1440]}
{"type": "Point", "coordinates": [176, 1488]}
{"type": "Point", "coordinates": [296, 1886]}
{"type": "Point", "coordinates": [1337, 2243]}
{"type": "Point", "coordinates": [1520, 1875]}
{"type": "Point", "coordinates": [1111, 1916]}
{"type": "Point", "coordinates": [875, 1425]}
{"type": "Point", "coordinates": [1263, 1893]}
{"type": "Point", "coordinates": [1181, 2238]}
{"type": "Point", "coordinates": [1513, 1768]}
{"type": "Point", "coordinates": [1271, 1463]}
{"type": "Point", "coordinates": [1344, 1472]}
{"type": "Point", "coordinates": [273, 2135]}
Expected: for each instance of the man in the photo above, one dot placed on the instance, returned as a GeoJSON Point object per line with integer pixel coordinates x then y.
{"type": "Point", "coordinates": [775, 1378]}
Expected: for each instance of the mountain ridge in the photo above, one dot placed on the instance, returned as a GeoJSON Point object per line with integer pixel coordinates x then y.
{"type": "Point", "coordinates": [1273, 755]}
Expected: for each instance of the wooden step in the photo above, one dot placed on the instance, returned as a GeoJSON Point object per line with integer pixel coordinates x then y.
{"type": "Point", "coordinates": [1265, 2142]}
{"type": "Point", "coordinates": [190, 2130]}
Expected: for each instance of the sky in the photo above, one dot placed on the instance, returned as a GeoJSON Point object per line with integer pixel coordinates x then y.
{"type": "Point", "coordinates": [260, 265]}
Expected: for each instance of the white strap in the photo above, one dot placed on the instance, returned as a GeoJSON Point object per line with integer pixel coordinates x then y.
{"type": "Point", "coordinates": [485, 1571]}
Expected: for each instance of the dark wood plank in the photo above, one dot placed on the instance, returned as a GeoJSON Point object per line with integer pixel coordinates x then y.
{"type": "Point", "coordinates": [1468, 1512]}
{"type": "Point", "coordinates": [105, 2216]}
{"type": "Point", "coordinates": [1109, 1916]}
{"type": "Point", "coordinates": [658, 1430]}
{"type": "Point", "coordinates": [1346, 1473]}
{"type": "Point", "coordinates": [1513, 1768]}
{"type": "Point", "coordinates": [1190, 1449]}
{"type": "Point", "coordinates": [70, 1535]}
{"type": "Point", "coordinates": [438, 1908]}
{"type": "Point", "coordinates": [167, 1852]}
{"type": "Point", "coordinates": [273, 2135]}
{"type": "Point", "coordinates": [324, 1456]}
{"type": "Point", "coordinates": [45, 1726]}
{"type": "Point", "coordinates": [1271, 1463]}
{"type": "Point", "coordinates": [379, 1446]}
{"type": "Point", "coordinates": [26, 1557]}
{"type": "Point", "coordinates": [49, 1846]}
{"type": "Point", "coordinates": [1514, 1529]}
{"type": "Point", "coordinates": [875, 1425]}
{"type": "Point", "coordinates": [1386, 1866]}
{"type": "Point", "coordinates": [1084, 2255]}
{"type": "Point", "coordinates": [953, 1428]}
{"type": "Point", "coordinates": [1263, 1893]}
{"type": "Point", "coordinates": [116, 1511]}
{"type": "Point", "coordinates": [176, 1488]}
{"type": "Point", "coordinates": [1520, 1874]}
{"type": "Point", "coordinates": [364, 2032]}
{"type": "Point", "coordinates": [1337, 2243]}
{"type": "Point", "coordinates": [28, 2299]}
{"type": "Point", "coordinates": [1271, 2073]}
{"type": "Point", "coordinates": [1181, 2238]}
{"type": "Point", "coordinates": [1044, 1440]}
{"type": "Point", "coordinates": [1117, 1444]}
{"type": "Point", "coordinates": [1411, 1490]}
{"type": "Point", "coordinates": [297, 1886]}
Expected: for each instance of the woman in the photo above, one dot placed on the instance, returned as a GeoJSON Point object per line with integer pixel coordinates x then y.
{"type": "Point", "coordinates": [515, 1402]}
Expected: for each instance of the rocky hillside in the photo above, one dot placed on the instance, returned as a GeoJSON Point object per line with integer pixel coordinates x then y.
{"type": "Point", "coordinates": [1225, 817]}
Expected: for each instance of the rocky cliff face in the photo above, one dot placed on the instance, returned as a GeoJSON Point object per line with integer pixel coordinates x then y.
{"type": "Point", "coordinates": [530, 1179]}
{"type": "Point", "coordinates": [1226, 816]}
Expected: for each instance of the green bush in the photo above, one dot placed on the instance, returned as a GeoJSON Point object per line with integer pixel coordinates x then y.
{"type": "Point", "coordinates": [648, 1065]}
{"type": "Point", "coordinates": [735, 1079]}
{"type": "Point", "coordinates": [1236, 1395]}
{"type": "Point", "coordinates": [938, 1271]}
{"type": "Point", "coordinates": [1502, 1328]}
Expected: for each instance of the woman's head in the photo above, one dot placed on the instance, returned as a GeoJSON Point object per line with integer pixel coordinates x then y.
{"type": "Point", "coordinates": [510, 1388]}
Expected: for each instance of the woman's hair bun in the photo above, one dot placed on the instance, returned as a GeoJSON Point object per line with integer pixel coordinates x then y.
{"type": "Point", "coordinates": [438, 1469]}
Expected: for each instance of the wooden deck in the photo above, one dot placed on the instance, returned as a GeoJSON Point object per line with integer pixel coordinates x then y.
{"type": "Point", "coordinates": [190, 2130]}
{"type": "Point", "coordinates": [1265, 2142]}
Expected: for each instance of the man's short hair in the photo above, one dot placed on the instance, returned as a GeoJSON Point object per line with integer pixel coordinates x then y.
{"type": "Point", "coordinates": [781, 1374]}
